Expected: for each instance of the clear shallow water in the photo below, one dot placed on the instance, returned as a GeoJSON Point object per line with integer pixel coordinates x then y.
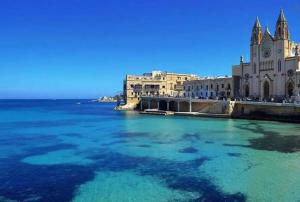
{"type": "Point", "coordinates": [61, 151]}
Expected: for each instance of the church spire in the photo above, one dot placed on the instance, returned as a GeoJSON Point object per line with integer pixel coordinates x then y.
{"type": "Point", "coordinates": [256, 36]}
{"type": "Point", "coordinates": [282, 31]}
{"type": "Point", "coordinates": [267, 31]}
{"type": "Point", "coordinates": [257, 23]}
{"type": "Point", "coordinates": [281, 16]}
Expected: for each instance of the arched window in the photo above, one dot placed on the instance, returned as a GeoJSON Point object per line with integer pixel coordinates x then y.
{"type": "Point", "coordinates": [290, 89]}
{"type": "Point", "coordinates": [228, 87]}
{"type": "Point", "coordinates": [279, 65]}
{"type": "Point", "coordinates": [254, 68]}
{"type": "Point", "coordinates": [247, 91]}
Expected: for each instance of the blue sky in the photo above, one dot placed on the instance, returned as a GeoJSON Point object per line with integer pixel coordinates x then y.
{"type": "Point", "coordinates": [84, 48]}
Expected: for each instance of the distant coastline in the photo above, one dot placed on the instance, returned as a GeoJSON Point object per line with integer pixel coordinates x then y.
{"type": "Point", "coordinates": [107, 99]}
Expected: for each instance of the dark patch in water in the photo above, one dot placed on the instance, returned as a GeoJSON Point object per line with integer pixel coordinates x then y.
{"type": "Point", "coordinates": [234, 154]}
{"type": "Point", "coordinates": [285, 144]}
{"type": "Point", "coordinates": [130, 134]}
{"type": "Point", "coordinates": [271, 140]}
{"type": "Point", "coordinates": [163, 142]}
{"type": "Point", "coordinates": [191, 137]}
{"type": "Point", "coordinates": [234, 145]}
{"type": "Point", "coordinates": [20, 181]}
{"type": "Point", "coordinates": [78, 135]}
{"type": "Point", "coordinates": [144, 145]}
{"type": "Point", "coordinates": [188, 150]}
{"type": "Point", "coordinates": [209, 192]}
{"type": "Point", "coordinates": [25, 182]}
{"type": "Point", "coordinates": [114, 142]}
{"type": "Point", "coordinates": [209, 142]}
{"type": "Point", "coordinates": [177, 175]}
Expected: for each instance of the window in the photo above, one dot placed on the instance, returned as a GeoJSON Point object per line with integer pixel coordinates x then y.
{"type": "Point", "coordinates": [186, 78]}
{"type": "Point", "coordinates": [290, 73]}
{"type": "Point", "coordinates": [206, 88]}
{"type": "Point", "coordinates": [163, 86]}
{"type": "Point", "coordinates": [211, 86]}
{"type": "Point", "coordinates": [279, 65]}
{"type": "Point", "coordinates": [254, 68]}
{"type": "Point", "coordinates": [222, 85]}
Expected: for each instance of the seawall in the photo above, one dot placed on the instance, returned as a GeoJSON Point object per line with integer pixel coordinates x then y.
{"type": "Point", "coordinates": [220, 108]}
{"type": "Point", "coordinates": [266, 111]}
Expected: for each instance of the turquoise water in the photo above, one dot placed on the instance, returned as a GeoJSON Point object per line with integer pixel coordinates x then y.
{"type": "Point", "coordinates": [60, 150]}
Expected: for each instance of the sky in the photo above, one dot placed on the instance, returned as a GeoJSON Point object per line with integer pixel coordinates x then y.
{"type": "Point", "coordinates": [85, 48]}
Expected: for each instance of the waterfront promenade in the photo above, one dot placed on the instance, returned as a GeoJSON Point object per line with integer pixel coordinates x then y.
{"type": "Point", "coordinates": [222, 108]}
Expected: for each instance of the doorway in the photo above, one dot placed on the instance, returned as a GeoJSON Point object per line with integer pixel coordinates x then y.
{"type": "Point", "coordinates": [266, 89]}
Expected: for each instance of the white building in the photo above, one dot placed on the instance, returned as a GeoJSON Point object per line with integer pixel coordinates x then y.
{"type": "Point", "coordinates": [274, 67]}
{"type": "Point", "coordinates": [209, 87]}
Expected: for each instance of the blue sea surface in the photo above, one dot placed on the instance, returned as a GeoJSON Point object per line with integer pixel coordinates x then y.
{"type": "Point", "coordinates": [83, 151]}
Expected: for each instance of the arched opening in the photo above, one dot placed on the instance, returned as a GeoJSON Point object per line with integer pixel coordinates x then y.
{"type": "Point", "coordinates": [162, 105]}
{"type": "Point", "coordinates": [153, 104]}
{"type": "Point", "coordinates": [290, 89]}
{"type": "Point", "coordinates": [266, 89]}
{"type": "Point", "coordinates": [247, 91]}
{"type": "Point", "coordinates": [173, 106]}
{"type": "Point", "coordinates": [279, 65]}
{"type": "Point", "coordinates": [144, 104]}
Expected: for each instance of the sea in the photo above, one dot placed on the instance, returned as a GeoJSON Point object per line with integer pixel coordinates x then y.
{"type": "Point", "coordinates": [84, 151]}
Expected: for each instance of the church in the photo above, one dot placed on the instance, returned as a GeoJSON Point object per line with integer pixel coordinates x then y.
{"type": "Point", "coordinates": [273, 72]}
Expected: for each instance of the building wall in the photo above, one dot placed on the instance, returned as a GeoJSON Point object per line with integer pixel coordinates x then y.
{"type": "Point", "coordinates": [273, 70]}
{"type": "Point", "coordinates": [210, 87]}
{"type": "Point", "coordinates": [235, 109]}
{"type": "Point", "coordinates": [268, 111]}
{"type": "Point", "coordinates": [155, 83]}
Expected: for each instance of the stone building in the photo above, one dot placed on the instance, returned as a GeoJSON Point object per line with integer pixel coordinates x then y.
{"type": "Point", "coordinates": [209, 87]}
{"type": "Point", "coordinates": [274, 68]}
{"type": "Point", "coordinates": [156, 83]}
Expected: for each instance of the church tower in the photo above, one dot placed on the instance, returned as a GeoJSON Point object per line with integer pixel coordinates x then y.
{"type": "Point", "coordinates": [256, 33]}
{"type": "Point", "coordinates": [282, 37]}
{"type": "Point", "coordinates": [282, 31]}
{"type": "Point", "coordinates": [282, 48]}
{"type": "Point", "coordinates": [256, 40]}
